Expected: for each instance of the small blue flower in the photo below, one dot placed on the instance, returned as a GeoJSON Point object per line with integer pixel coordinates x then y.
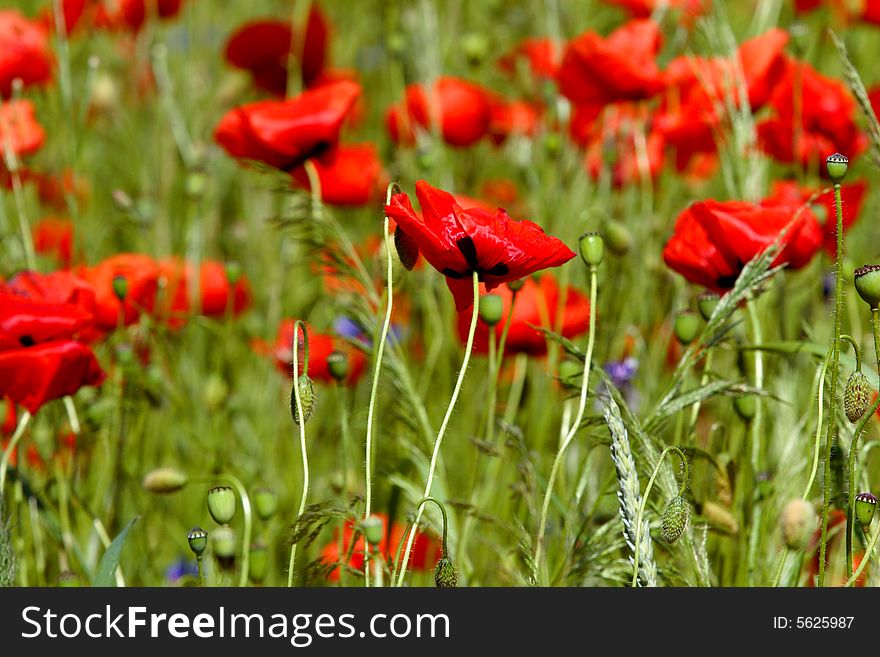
{"type": "Point", "coordinates": [183, 567]}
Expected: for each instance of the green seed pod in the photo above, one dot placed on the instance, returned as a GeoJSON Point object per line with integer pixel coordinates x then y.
{"type": "Point", "coordinates": [867, 281]}
{"type": "Point", "coordinates": [856, 396]}
{"type": "Point", "coordinates": [198, 540]}
{"type": "Point", "coordinates": [517, 285]}
{"type": "Point", "coordinates": [798, 522]}
{"type": "Point", "coordinates": [837, 166]}
{"type": "Point", "coordinates": [223, 542]}
{"type": "Point", "coordinates": [617, 237]}
{"type": "Point", "coordinates": [259, 562]}
{"type": "Point", "coordinates": [164, 480]}
{"type": "Point", "coordinates": [706, 303]}
{"type": "Point", "coordinates": [120, 287]}
{"type": "Point", "coordinates": [592, 248]}
{"type": "Point", "coordinates": [407, 249]}
{"type": "Point", "coordinates": [221, 504]}
{"type": "Point", "coordinates": [265, 502]}
{"type": "Point", "coordinates": [337, 364]}
{"type": "Point", "coordinates": [686, 326]}
{"type": "Point", "coordinates": [491, 309]}
{"type": "Point", "coordinates": [372, 529]}
{"type": "Point", "coordinates": [445, 576]}
{"type": "Point", "coordinates": [675, 519]}
{"type": "Point", "coordinates": [68, 579]}
{"type": "Point", "coordinates": [306, 397]}
{"type": "Point", "coordinates": [866, 505]}
{"type": "Point", "coordinates": [745, 406]}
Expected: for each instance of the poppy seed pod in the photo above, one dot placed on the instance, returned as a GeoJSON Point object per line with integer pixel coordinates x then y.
{"type": "Point", "coordinates": [259, 562]}
{"type": "Point", "coordinates": [592, 249]}
{"type": "Point", "coordinates": [373, 529]}
{"type": "Point", "coordinates": [867, 282]}
{"type": "Point", "coordinates": [856, 396]}
{"type": "Point", "coordinates": [164, 481]}
{"type": "Point", "coordinates": [266, 503]}
{"type": "Point", "coordinates": [337, 365]}
{"type": "Point", "coordinates": [866, 505]}
{"type": "Point", "coordinates": [445, 576]}
{"type": "Point", "coordinates": [491, 309]}
{"type": "Point", "coordinates": [223, 542]}
{"type": "Point", "coordinates": [306, 397]}
{"type": "Point", "coordinates": [837, 166]}
{"type": "Point", "coordinates": [675, 519]}
{"type": "Point", "coordinates": [798, 522]}
{"type": "Point", "coordinates": [198, 540]}
{"type": "Point", "coordinates": [686, 326]}
{"type": "Point", "coordinates": [221, 504]}
{"type": "Point", "coordinates": [706, 303]}
{"type": "Point", "coordinates": [617, 237]}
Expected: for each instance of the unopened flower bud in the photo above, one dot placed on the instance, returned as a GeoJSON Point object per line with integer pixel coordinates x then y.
{"type": "Point", "coordinates": [233, 273]}
{"type": "Point", "coordinates": [867, 281]}
{"type": "Point", "coordinates": [686, 326]}
{"type": "Point", "coordinates": [745, 406]}
{"type": "Point", "coordinates": [307, 399]}
{"type": "Point", "coordinates": [491, 309]}
{"type": "Point", "coordinates": [372, 529]}
{"type": "Point", "coordinates": [675, 519]}
{"type": "Point", "coordinates": [706, 303]}
{"type": "Point", "coordinates": [266, 503]}
{"type": "Point", "coordinates": [719, 517]}
{"type": "Point", "coordinates": [866, 505]}
{"type": "Point", "coordinates": [198, 540]}
{"type": "Point", "coordinates": [221, 504]}
{"type": "Point", "coordinates": [337, 365]}
{"type": "Point", "coordinates": [120, 287]}
{"type": "Point", "coordinates": [164, 480]}
{"type": "Point", "coordinates": [592, 248]}
{"type": "Point", "coordinates": [837, 166]}
{"type": "Point", "coordinates": [259, 562]}
{"type": "Point", "coordinates": [445, 576]}
{"type": "Point", "coordinates": [475, 46]}
{"type": "Point", "coordinates": [798, 522]}
{"type": "Point", "coordinates": [856, 396]}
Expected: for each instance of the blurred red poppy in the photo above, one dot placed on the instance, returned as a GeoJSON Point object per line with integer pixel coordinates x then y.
{"type": "Point", "coordinates": [836, 518]}
{"type": "Point", "coordinates": [625, 143]}
{"type": "Point", "coordinates": [25, 52]}
{"type": "Point", "coordinates": [32, 376]}
{"type": "Point", "coordinates": [874, 97]}
{"type": "Point", "coordinates": [10, 418]}
{"type": "Point", "coordinates": [57, 287]}
{"type": "Point", "coordinates": [426, 550]}
{"type": "Point", "coordinates": [132, 14]}
{"type": "Point", "coordinates": [597, 70]}
{"type": "Point", "coordinates": [463, 108]}
{"type": "Point", "coordinates": [458, 242]}
{"type": "Point", "coordinates": [263, 47]}
{"type": "Point", "coordinates": [541, 55]}
{"type": "Point", "coordinates": [513, 118]}
{"type": "Point", "coordinates": [214, 289]}
{"type": "Point", "coordinates": [72, 12]}
{"type": "Point", "coordinates": [713, 240]}
{"type": "Point", "coordinates": [320, 348]}
{"type": "Point", "coordinates": [19, 128]}
{"type": "Point", "coordinates": [764, 65]}
{"type": "Point", "coordinates": [141, 277]}
{"type": "Point", "coordinates": [645, 8]}
{"type": "Point", "coordinates": [54, 188]}
{"type": "Point", "coordinates": [284, 134]}
{"type": "Point", "coordinates": [54, 237]}
{"type": "Point", "coordinates": [26, 321]}
{"type": "Point", "coordinates": [537, 305]}
{"type": "Point", "coordinates": [350, 175]}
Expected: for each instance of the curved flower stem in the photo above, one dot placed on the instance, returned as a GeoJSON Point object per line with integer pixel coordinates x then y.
{"type": "Point", "coordinates": [585, 384]}
{"type": "Point", "coordinates": [297, 326]}
{"type": "Point", "coordinates": [444, 550]}
{"type": "Point", "coordinates": [380, 351]}
{"type": "Point", "coordinates": [248, 526]}
{"type": "Point", "coordinates": [644, 503]}
{"type": "Point", "coordinates": [835, 362]}
{"type": "Point", "coordinates": [7, 453]}
{"type": "Point", "coordinates": [439, 440]}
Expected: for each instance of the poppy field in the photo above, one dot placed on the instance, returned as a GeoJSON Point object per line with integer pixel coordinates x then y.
{"type": "Point", "coordinates": [429, 293]}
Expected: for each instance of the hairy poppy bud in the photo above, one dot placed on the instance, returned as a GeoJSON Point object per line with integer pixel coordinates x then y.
{"type": "Point", "coordinates": [120, 287]}
{"type": "Point", "coordinates": [306, 397]}
{"type": "Point", "coordinates": [675, 519]}
{"type": "Point", "coordinates": [856, 396]}
{"type": "Point", "coordinates": [372, 529]}
{"type": "Point", "coordinates": [221, 504]}
{"type": "Point", "coordinates": [491, 309]}
{"type": "Point", "coordinates": [686, 326]}
{"type": "Point", "coordinates": [617, 237]}
{"type": "Point", "coordinates": [164, 480]}
{"type": "Point", "coordinates": [798, 522]}
{"type": "Point", "coordinates": [706, 303]}
{"type": "Point", "coordinates": [866, 505]}
{"type": "Point", "coordinates": [837, 166]}
{"type": "Point", "coordinates": [445, 576]}
{"type": "Point", "coordinates": [745, 406]}
{"type": "Point", "coordinates": [259, 562]}
{"type": "Point", "coordinates": [337, 365]}
{"type": "Point", "coordinates": [198, 540]}
{"type": "Point", "coordinates": [867, 281]}
{"type": "Point", "coordinates": [592, 248]}
{"type": "Point", "coordinates": [407, 249]}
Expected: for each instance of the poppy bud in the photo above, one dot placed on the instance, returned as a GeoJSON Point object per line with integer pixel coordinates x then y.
{"type": "Point", "coordinates": [259, 562]}
{"type": "Point", "coordinates": [233, 272]}
{"type": "Point", "coordinates": [592, 248]}
{"type": "Point", "coordinates": [517, 285]}
{"type": "Point", "coordinates": [491, 309]}
{"type": "Point", "coordinates": [719, 517]}
{"type": "Point", "coordinates": [372, 529]}
{"type": "Point", "coordinates": [120, 287]}
{"type": "Point", "coordinates": [867, 280]}
{"type": "Point", "coordinates": [407, 249]}
{"type": "Point", "coordinates": [198, 540]}
{"type": "Point", "coordinates": [706, 303]}
{"type": "Point", "coordinates": [223, 542]}
{"type": "Point", "coordinates": [686, 326]}
{"type": "Point", "coordinates": [221, 504]}
{"type": "Point", "coordinates": [552, 143]}
{"type": "Point", "coordinates": [306, 398]}
{"type": "Point", "coordinates": [866, 505]}
{"type": "Point", "coordinates": [475, 46]}
{"type": "Point", "coordinates": [837, 166]}
{"type": "Point", "coordinates": [68, 579]}
{"type": "Point", "coordinates": [266, 502]}
{"type": "Point", "coordinates": [337, 364]}
{"type": "Point", "coordinates": [798, 521]}
{"type": "Point", "coordinates": [617, 237]}
{"type": "Point", "coordinates": [215, 392]}
{"type": "Point", "coordinates": [164, 480]}
{"type": "Point", "coordinates": [745, 406]}
{"type": "Point", "coordinates": [445, 576]}
{"type": "Point", "coordinates": [856, 396]}
{"type": "Point", "coordinates": [675, 519]}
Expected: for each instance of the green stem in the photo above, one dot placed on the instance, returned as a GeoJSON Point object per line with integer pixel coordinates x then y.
{"type": "Point", "coordinates": [10, 447]}
{"type": "Point", "coordinates": [302, 436]}
{"type": "Point", "coordinates": [439, 440]}
{"type": "Point", "coordinates": [585, 384]}
{"type": "Point", "coordinates": [248, 521]}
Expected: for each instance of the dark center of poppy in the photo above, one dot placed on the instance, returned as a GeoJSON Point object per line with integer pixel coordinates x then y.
{"type": "Point", "coordinates": [469, 251]}
{"type": "Point", "coordinates": [26, 341]}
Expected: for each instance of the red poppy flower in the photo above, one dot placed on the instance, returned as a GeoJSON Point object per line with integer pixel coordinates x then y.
{"type": "Point", "coordinates": [464, 110]}
{"type": "Point", "coordinates": [214, 290]}
{"type": "Point", "coordinates": [425, 554]}
{"type": "Point", "coordinates": [27, 321]}
{"type": "Point", "coordinates": [55, 287]}
{"type": "Point", "coordinates": [350, 175]}
{"type": "Point", "coordinates": [763, 64]}
{"type": "Point", "coordinates": [264, 46]}
{"type": "Point", "coordinates": [320, 347]}
{"type": "Point", "coordinates": [537, 305]}
{"type": "Point", "coordinates": [53, 188]}
{"type": "Point", "coordinates": [827, 125]}
{"type": "Point", "coordinates": [458, 242]}
{"type": "Point", "coordinates": [141, 274]}
{"type": "Point", "coordinates": [836, 517]}
{"type": "Point", "coordinates": [286, 133]}
{"type": "Point", "coordinates": [540, 53]}
{"type": "Point", "coordinates": [19, 127]}
{"type": "Point", "coordinates": [132, 14]}
{"type": "Point", "coordinates": [512, 118]}
{"type": "Point", "coordinates": [73, 11]}
{"type": "Point", "coordinates": [10, 419]}
{"type": "Point", "coordinates": [714, 240]}
{"type": "Point", "coordinates": [616, 142]}
{"type": "Point", "coordinates": [54, 237]}
{"type": "Point", "coordinates": [598, 71]}
{"type": "Point", "coordinates": [32, 376]}
{"type": "Point", "coordinates": [24, 51]}
{"type": "Point", "coordinates": [787, 192]}
{"type": "Point", "coordinates": [644, 8]}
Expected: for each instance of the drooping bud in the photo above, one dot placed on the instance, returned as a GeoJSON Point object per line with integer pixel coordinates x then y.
{"type": "Point", "coordinates": [372, 529]}
{"type": "Point", "coordinates": [337, 365]}
{"type": "Point", "coordinates": [306, 397]}
{"type": "Point", "coordinates": [221, 504]}
{"type": "Point", "coordinates": [675, 519]}
{"type": "Point", "coordinates": [592, 248]}
{"type": "Point", "coordinates": [686, 326]}
{"type": "Point", "coordinates": [259, 562]}
{"type": "Point", "coordinates": [837, 166]}
{"type": "Point", "coordinates": [445, 576]}
{"type": "Point", "coordinates": [407, 249]}
{"type": "Point", "coordinates": [745, 406]}
{"type": "Point", "coordinates": [706, 303]}
{"type": "Point", "coordinates": [164, 480]}
{"type": "Point", "coordinates": [120, 287]}
{"type": "Point", "coordinates": [866, 505]}
{"type": "Point", "coordinates": [198, 540]}
{"type": "Point", "coordinates": [856, 396]}
{"type": "Point", "coordinates": [867, 281]}
{"type": "Point", "coordinates": [491, 309]}
{"type": "Point", "coordinates": [798, 522]}
{"type": "Point", "coordinates": [266, 503]}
